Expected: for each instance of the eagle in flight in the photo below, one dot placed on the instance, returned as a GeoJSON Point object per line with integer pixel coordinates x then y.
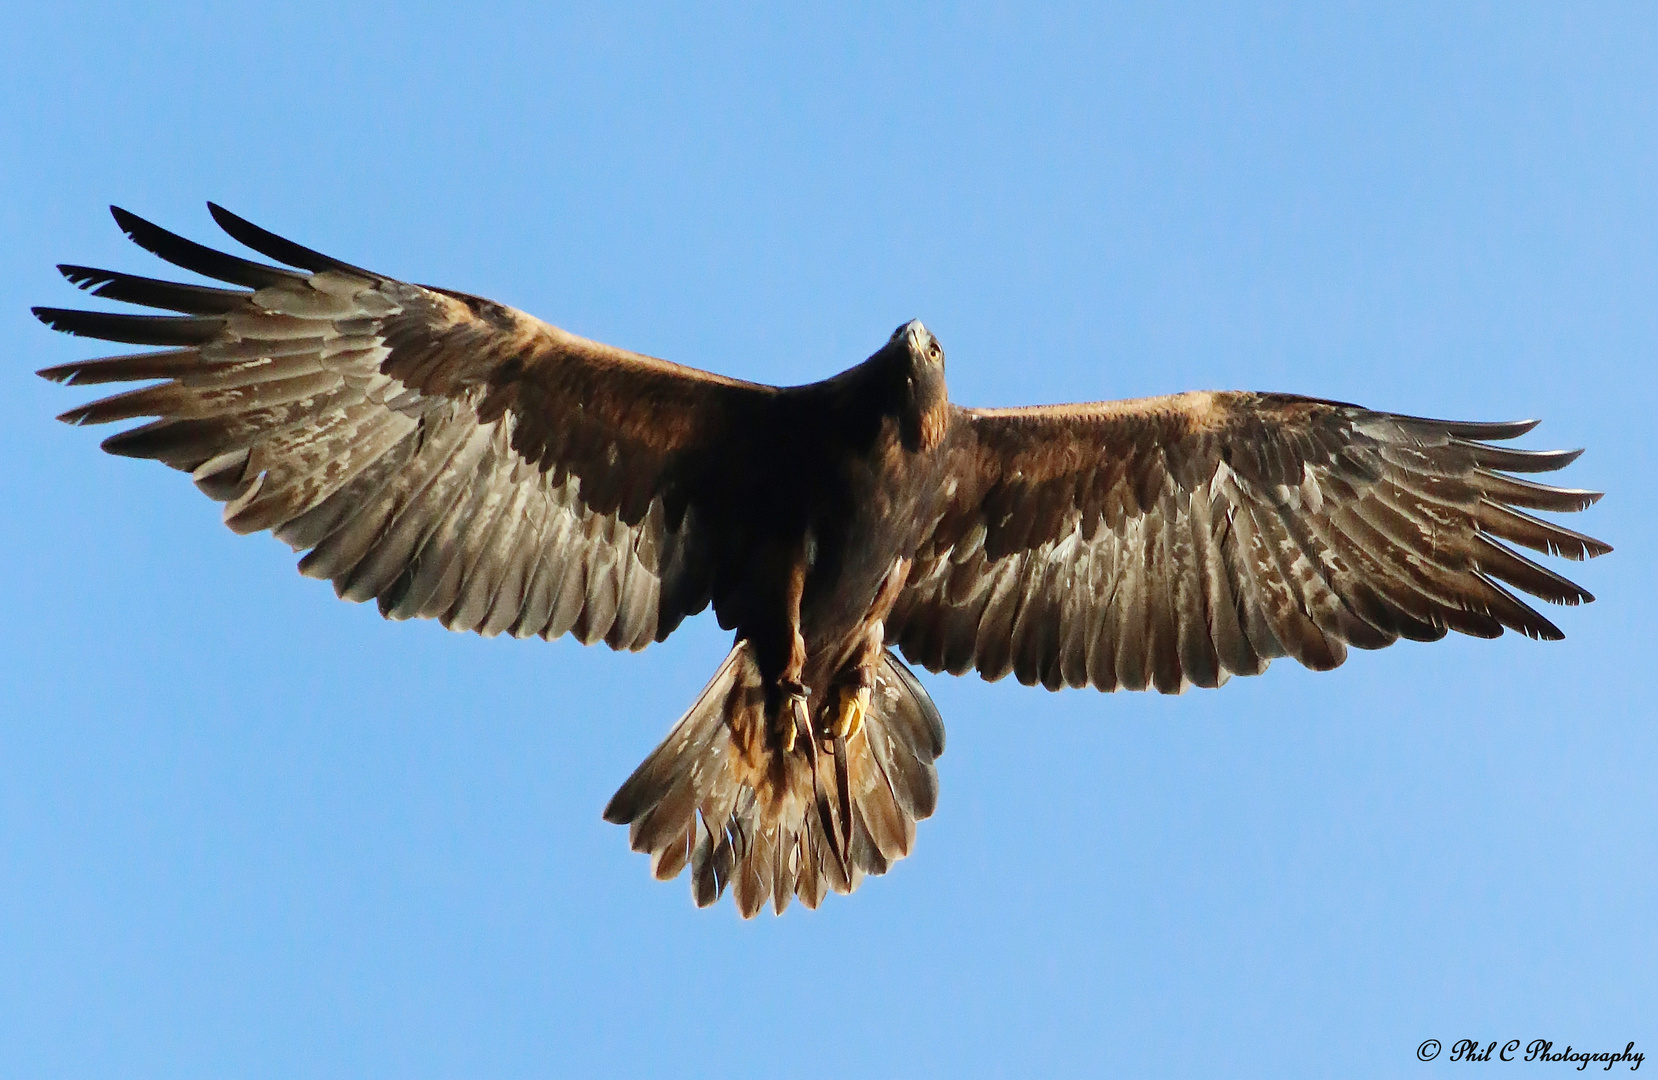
{"type": "Point", "coordinates": [452, 458]}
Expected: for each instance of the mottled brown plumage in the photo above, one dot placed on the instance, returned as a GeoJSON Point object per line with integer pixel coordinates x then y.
{"type": "Point", "coordinates": [456, 459]}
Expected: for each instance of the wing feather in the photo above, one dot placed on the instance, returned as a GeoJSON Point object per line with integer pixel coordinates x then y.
{"type": "Point", "coordinates": [1177, 541]}
{"type": "Point", "coordinates": [448, 456]}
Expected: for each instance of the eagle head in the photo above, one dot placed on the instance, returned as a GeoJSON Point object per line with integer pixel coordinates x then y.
{"type": "Point", "coordinates": [923, 347]}
{"type": "Point", "coordinates": [925, 396]}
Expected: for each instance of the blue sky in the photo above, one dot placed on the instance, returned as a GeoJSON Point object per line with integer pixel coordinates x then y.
{"type": "Point", "coordinates": [248, 830]}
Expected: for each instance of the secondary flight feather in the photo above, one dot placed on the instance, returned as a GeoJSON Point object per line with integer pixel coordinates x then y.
{"type": "Point", "coordinates": [453, 458]}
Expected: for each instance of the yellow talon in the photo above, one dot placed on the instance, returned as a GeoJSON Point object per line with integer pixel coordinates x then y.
{"type": "Point", "coordinates": [849, 716]}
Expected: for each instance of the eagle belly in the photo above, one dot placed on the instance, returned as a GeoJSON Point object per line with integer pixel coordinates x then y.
{"type": "Point", "coordinates": [865, 536]}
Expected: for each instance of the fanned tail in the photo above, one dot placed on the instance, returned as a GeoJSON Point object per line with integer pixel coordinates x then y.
{"type": "Point", "coordinates": [744, 812]}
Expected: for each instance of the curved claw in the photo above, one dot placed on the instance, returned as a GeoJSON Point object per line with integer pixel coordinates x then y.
{"type": "Point", "coordinates": [799, 725]}
{"type": "Point", "coordinates": [850, 710]}
{"type": "Point", "coordinates": [843, 789]}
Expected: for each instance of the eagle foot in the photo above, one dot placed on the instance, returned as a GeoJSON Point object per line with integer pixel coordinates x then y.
{"type": "Point", "coordinates": [851, 705]}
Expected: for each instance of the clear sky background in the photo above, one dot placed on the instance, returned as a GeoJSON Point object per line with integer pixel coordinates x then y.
{"type": "Point", "coordinates": [248, 830]}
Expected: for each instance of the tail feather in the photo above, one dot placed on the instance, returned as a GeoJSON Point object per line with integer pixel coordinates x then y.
{"type": "Point", "coordinates": [748, 818]}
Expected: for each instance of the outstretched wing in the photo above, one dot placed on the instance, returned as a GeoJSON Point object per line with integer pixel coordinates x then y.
{"type": "Point", "coordinates": [1176, 540]}
{"type": "Point", "coordinates": [446, 455]}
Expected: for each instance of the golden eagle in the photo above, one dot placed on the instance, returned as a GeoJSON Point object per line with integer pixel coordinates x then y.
{"type": "Point", "coordinates": [452, 458]}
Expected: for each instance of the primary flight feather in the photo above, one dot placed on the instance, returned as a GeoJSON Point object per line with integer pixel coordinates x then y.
{"type": "Point", "coordinates": [452, 458]}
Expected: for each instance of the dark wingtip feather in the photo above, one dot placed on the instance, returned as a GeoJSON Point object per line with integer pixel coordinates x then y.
{"type": "Point", "coordinates": [131, 329]}
{"type": "Point", "coordinates": [82, 414]}
{"type": "Point", "coordinates": [1497, 430]}
{"type": "Point", "coordinates": [82, 277]}
{"type": "Point", "coordinates": [130, 223]}
{"type": "Point", "coordinates": [1514, 613]}
{"type": "Point", "coordinates": [1518, 492]}
{"type": "Point", "coordinates": [198, 257]}
{"type": "Point", "coordinates": [1521, 528]}
{"type": "Point", "coordinates": [1520, 461]}
{"type": "Point", "coordinates": [123, 444]}
{"type": "Point", "coordinates": [131, 368]}
{"type": "Point", "coordinates": [153, 292]}
{"type": "Point", "coordinates": [273, 246]}
{"type": "Point", "coordinates": [153, 440]}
